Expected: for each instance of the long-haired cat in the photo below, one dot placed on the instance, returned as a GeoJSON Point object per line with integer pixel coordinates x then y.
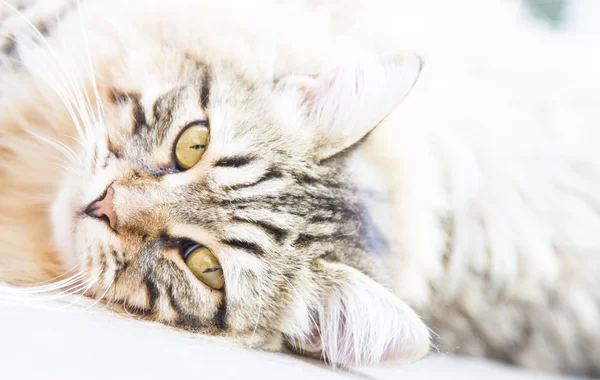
{"type": "Point", "coordinates": [257, 172]}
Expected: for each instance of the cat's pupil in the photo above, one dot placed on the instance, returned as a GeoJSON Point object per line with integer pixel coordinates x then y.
{"type": "Point", "coordinates": [197, 146]}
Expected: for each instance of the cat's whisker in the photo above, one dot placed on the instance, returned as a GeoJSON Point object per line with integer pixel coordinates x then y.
{"type": "Point", "coordinates": [71, 154]}
{"type": "Point", "coordinates": [68, 288]}
{"type": "Point", "coordinates": [75, 88]}
{"type": "Point", "coordinates": [130, 314]}
{"type": "Point", "coordinates": [76, 140]}
{"type": "Point", "coordinates": [66, 165]}
{"type": "Point", "coordinates": [61, 161]}
{"type": "Point", "coordinates": [61, 147]}
{"type": "Point", "coordinates": [55, 282]}
{"type": "Point", "coordinates": [99, 298]}
{"type": "Point", "coordinates": [22, 296]}
{"type": "Point", "coordinates": [82, 104]}
{"type": "Point", "coordinates": [65, 95]}
{"type": "Point", "coordinates": [91, 282]}
{"type": "Point", "coordinates": [61, 276]}
{"type": "Point", "coordinates": [99, 105]}
{"type": "Point", "coordinates": [36, 289]}
{"type": "Point", "coordinates": [67, 169]}
{"type": "Point", "coordinates": [70, 291]}
{"type": "Point", "coordinates": [32, 27]}
{"type": "Point", "coordinates": [77, 287]}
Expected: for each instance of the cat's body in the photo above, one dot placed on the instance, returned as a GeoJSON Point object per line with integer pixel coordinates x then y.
{"type": "Point", "coordinates": [479, 213]}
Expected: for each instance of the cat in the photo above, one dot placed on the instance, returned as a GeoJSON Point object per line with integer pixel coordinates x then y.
{"type": "Point", "coordinates": [230, 171]}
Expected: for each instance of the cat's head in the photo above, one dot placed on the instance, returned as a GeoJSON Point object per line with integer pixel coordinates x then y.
{"type": "Point", "coordinates": [197, 172]}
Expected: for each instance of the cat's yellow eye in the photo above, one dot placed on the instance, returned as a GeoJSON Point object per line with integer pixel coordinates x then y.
{"type": "Point", "coordinates": [191, 146]}
{"type": "Point", "coordinates": [205, 267]}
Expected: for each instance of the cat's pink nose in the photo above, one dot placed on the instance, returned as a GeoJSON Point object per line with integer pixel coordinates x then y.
{"type": "Point", "coordinates": [104, 209]}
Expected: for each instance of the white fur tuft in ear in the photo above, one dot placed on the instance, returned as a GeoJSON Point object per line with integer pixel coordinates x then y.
{"type": "Point", "coordinates": [346, 103]}
{"type": "Point", "coordinates": [359, 322]}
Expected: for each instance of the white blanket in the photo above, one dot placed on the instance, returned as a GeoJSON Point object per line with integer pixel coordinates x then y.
{"type": "Point", "coordinates": [52, 340]}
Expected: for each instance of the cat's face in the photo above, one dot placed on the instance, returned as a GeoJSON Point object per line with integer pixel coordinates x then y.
{"type": "Point", "coordinates": [266, 194]}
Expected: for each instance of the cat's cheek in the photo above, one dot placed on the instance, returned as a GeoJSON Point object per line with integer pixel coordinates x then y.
{"type": "Point", "coordinates": [63, 224]}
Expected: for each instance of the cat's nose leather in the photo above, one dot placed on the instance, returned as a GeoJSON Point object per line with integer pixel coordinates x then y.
{"type": "Point", "coordinates": [104, 208]}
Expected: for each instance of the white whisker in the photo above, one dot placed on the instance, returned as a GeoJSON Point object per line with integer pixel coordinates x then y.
{"type": "Point", "coordinates": [99, 105]}
{"type": "Point", "coordinates": [75, 139]}
{"type": "Point", "coordinates": [70, 170]}
{"type": "Point", "coordinates": [74, 94]}
{"type": "Point", "coordinates": [101, 297]}
{"type": "Point", "coordinates": [49, 78]}
{"type": "Point", "coordinates": [91, 283]}
{"type": "Point", "coordinates": [60, 146]}
{"type": "Point", "coordinates": [31, 290]}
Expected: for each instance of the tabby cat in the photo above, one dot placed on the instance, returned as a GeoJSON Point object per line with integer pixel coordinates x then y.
{"type": "Point", "coordinates": [221, 172]}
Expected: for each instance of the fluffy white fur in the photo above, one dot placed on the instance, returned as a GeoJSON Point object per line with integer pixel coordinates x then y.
{"type": "Point", "coordinates": [392, 332]}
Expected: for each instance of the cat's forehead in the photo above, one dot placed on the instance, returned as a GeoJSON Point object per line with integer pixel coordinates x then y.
{"type": "Point", "coordinates": [242, 114]}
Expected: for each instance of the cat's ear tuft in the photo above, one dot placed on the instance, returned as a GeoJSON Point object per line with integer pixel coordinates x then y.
{"type": "Point", "coordinates": [346, 103]}
{"type": "Point", "coordinates": [358, 322]}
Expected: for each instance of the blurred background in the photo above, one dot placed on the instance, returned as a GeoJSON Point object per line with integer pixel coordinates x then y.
{"type": "Point", "coordinates": [580, 16]}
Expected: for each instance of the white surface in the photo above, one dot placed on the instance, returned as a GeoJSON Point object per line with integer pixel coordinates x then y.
{"type": "Point", "coordinates": [55, 341]}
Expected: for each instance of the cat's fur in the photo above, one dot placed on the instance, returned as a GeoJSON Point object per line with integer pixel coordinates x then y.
{"type": "Point", "coordinates": [492, 240]}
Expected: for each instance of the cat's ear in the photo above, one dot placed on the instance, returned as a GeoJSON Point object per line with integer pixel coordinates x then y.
{"type": "Point", "coordinates": [356, 321]}
{"type": "Point", "coordinates": [346, 103]}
